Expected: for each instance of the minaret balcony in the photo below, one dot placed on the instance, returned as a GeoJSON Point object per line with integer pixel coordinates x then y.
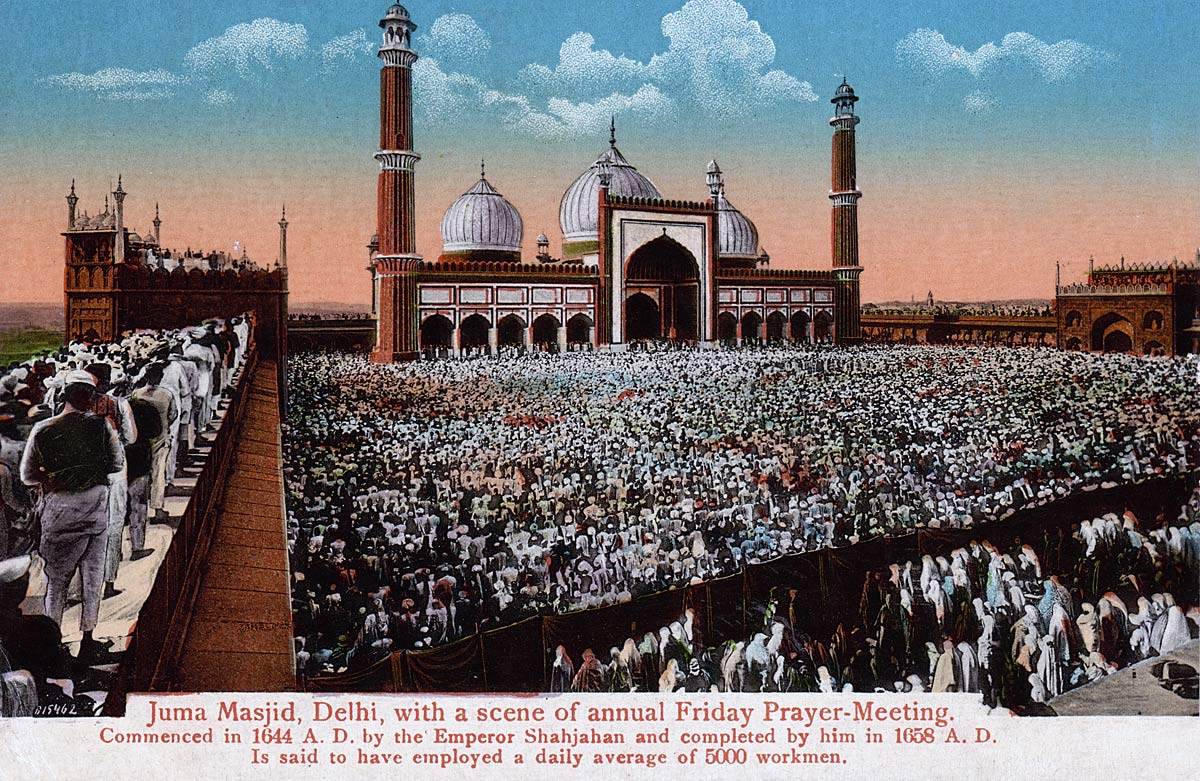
{"type": "Point", "coordinates": [397, 160]}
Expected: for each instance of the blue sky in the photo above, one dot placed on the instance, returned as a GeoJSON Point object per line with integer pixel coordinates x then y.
{"type": "Point", "coordinates": [1135, 46]}
{"type": "Point", "coordinates": [259, 91]}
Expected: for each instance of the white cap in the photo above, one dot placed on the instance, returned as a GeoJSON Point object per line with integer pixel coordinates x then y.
{"type": "Point", "coordinates": [80, 376]}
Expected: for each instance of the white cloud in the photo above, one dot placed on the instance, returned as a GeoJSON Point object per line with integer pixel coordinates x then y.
{"type": "Point", "coordinates": [929, 50]}
{"type": "Point", "coordinates": [262, 43]}
{"type": "Point", "coordinates": [444, 97]}
{"type": "Point", "coordinates": [219, 97]}
{"type": "Point", "coordinates": [239, 52]}
{"type": "Point", "coordinates": [716, 60]}
{"type": "Point", "coordinates": [592, 118]}
{"type": "Point", "coordinates": [346, 48]}
{"type": "Point", "coordinates": [121, 83]}
{"type": "Point", "coordinates": [438, 94]}
{"type": "Point", "coordinates": [581, 67]}
{"type": "Point", "coordinates": [716, 63]}
{"type": "Point", "coordinates": [978, 102]}
{"type": "Point", "coordinates": [455, 37]}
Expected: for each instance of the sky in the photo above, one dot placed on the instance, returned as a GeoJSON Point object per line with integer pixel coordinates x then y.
{"type": "Point", "coordinates": [996, 138]}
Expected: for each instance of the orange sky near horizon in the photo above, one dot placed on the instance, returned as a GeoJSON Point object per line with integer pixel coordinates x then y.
{"type": "Point", "coordinates": [970, 229]}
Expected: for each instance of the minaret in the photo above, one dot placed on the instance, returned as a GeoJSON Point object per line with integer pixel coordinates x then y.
{"type": "Point", "coordinates": [283, 223]}
{"type": "Point", "coordinates": [157, 226]}
{"type": "Point", "coordinates": [396, 261]}
{"type": "Point", "coordinates": [119, 246]}
{"type": "Point", "coordinates": [72, 201]}
{"type": "Point", "coordinates": [844, 225]}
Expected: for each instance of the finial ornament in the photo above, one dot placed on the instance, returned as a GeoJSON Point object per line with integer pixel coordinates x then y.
{"type": "Point", "coordinates": [612, 131]}
{"type": "Point", "coordinates": [482, 169]}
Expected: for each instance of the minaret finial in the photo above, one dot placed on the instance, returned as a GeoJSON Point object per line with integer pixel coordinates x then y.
{"type": "Point", "coordinates": [72, 187]}
{"type": "Point", "coordinates": [156, 210]}
{"type": "Point", "coordinates": [612, 131]}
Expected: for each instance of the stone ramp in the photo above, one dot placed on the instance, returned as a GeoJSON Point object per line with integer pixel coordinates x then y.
{"type": "Point", "coordinates": [240, 634]}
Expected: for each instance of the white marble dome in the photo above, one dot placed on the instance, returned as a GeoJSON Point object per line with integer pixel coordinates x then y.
{"type": "Point", "coordinates": [739, 237]}
{"type": "Point", "coordinates": [481, 219]}
{"type": "Point", "coordinates": [578, 214]}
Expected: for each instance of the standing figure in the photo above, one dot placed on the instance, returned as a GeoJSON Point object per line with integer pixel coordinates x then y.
{"type": "Point", "coordinates": [70, 456]}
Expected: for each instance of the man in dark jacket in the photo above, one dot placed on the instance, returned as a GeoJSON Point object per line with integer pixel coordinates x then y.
{"type": "Point", "coordinates": [70, 456]}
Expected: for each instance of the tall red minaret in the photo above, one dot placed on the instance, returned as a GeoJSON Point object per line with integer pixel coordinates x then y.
{"type": "Point", "coordinates": [395, 261]}
{"type": "Point", "coordinates": [844, 224]}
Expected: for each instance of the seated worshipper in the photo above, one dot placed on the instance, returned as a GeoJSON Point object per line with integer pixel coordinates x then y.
{"type": "Point", "coordinates": [590, 677]}
{"type": "Point", "coordinates": [70, 456]}
{"type": "Point", "coordinates": [31, 643]}
{"type": "Point", "coordinates": [562, 672]}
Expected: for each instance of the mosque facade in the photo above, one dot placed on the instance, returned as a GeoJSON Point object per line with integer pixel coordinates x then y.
{"type": "Point", "coordinates": [1139, 308]}
{"type": "Point", "coordinates": [634, 264]}
{"type": "Point", "coordinates": [116, 279]}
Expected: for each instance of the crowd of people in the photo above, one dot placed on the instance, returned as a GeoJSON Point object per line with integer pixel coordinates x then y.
{"type": "Point", "coordinates": [431, 500]}
{"type": "Point", "coordinates": [979, 619]}
{"type": "Point", "coordinates": [91, 437]}
{"type": "Point", "coordinates": [964, 310]}
{"type": "Point", "coordinates": [158, 259]}
{"type": "Point", "coordinates": [328, 316]}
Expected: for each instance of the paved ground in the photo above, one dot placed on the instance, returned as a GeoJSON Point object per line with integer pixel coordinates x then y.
{"type": "Point", "coordinates": [240, 637]}
{"type": "Point", "coordinates": [1133, 691]}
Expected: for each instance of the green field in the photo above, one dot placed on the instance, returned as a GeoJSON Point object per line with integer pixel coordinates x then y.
{"type": "Point", "coordinates": [17, 344]}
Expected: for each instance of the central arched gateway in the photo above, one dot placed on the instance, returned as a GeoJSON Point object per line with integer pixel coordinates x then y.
{"type": "Point", "coordinates": [643, 318]}
{"type": "Point", "coordinates": [662, 292]}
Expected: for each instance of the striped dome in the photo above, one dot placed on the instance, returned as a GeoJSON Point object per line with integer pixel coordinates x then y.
{"type": "Point", "coordinates": [578, 214]}
{"type": "Point", "coordinates": [482, 220]}
{"type": "Point", "coordinates": [739, 237]}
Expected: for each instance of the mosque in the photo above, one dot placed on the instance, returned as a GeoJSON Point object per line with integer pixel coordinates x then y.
{"type": "Point", "coordinates": [634, 265]}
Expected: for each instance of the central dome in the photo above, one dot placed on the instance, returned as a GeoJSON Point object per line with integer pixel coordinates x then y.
{"type": "Point", "coordinates": [578, 214]}
{"type": "Point", "coordinates": [482, 220]}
